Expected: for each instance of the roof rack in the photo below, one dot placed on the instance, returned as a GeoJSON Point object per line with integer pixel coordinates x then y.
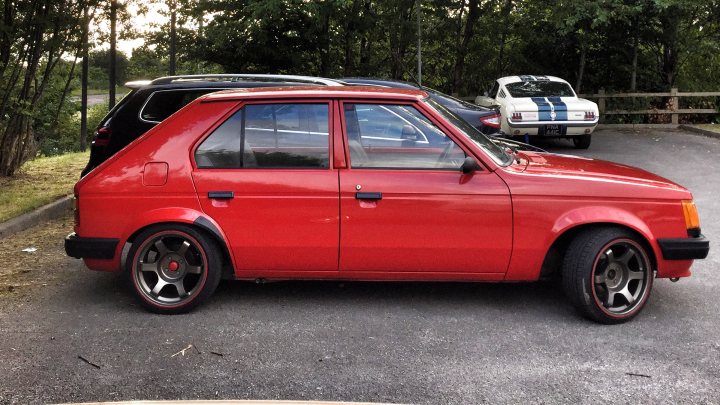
{"type": "Point", "coordinates": [246, 77]}
{"type": "Point", "coordinates": [136, 84]}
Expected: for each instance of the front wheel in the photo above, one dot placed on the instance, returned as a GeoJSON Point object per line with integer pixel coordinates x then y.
{"type": "Point", "coordinates": [582, 141]}
{"type": "Point", "coordinates": [607, 275]}
{"type": "Point", "coordinates": [174, 268]}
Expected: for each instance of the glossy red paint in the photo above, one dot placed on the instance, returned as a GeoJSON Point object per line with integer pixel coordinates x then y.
{"type": "Point", "coordinates": [496, 224]}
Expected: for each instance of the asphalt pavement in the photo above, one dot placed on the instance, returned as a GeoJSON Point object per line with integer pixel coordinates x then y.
{"type": "Point", "coordinates": [85, 339]}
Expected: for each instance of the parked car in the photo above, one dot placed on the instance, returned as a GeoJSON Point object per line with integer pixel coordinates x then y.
{"type": "Point", "coordinates": [150, 102]}
{"type": "Point", "coordinates": [285, 183]}
{"type": "Point", "coordinates": [487, 120]}
{"type": "Point", "coordinates": [543, 106]}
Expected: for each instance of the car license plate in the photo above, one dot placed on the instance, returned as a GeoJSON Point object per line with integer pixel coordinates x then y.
{"type": "Point", "coordinates": [555, 130]}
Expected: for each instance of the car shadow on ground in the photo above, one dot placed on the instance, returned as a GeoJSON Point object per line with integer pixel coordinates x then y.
{"type": "Point", "coordinates": [539, 300]}
{"type": "Point", "coordinates": [535, 302]}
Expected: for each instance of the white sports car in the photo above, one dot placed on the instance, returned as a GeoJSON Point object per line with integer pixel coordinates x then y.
{"type": "Point", "coordinates": [542, 105]}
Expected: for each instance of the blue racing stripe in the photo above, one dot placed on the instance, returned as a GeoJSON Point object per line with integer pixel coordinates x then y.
{"type": "Point", "coordinates": [560, 108]}
{"type": "Point", "coordinates": [544, 108]}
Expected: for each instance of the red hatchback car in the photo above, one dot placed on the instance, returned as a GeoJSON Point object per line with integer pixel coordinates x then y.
{"type": "Point", "coordinates": [362, 183]}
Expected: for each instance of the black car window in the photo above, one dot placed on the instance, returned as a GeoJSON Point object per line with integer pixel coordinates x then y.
{"type": "Point", "coordinates": [164, 103]}
{"type": "Point", "coordinates": [540, 88]}
{"type": "Point", "coordinates": [269, 136]}
{"type": "Point", "coordinates": [494, 91]}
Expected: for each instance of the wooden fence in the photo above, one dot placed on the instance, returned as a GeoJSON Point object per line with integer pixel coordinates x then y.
{"type": "Point", "coordinates": [672, 107]}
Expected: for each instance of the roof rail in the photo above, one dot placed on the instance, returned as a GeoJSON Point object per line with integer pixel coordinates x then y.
{"type": "Point", "coordinates": [246, 77]}
{"type": "Point", "coordinates": [136, 84]}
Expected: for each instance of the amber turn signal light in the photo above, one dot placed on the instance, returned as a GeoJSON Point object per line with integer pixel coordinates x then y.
{"type": "Point", "coordinates": [692, 221]}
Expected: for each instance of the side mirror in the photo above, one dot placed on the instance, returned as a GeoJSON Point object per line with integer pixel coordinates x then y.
{"type": "Point", "coordinates": [485, 94]}
{"type": "Point", "coordinates": [470, 165]}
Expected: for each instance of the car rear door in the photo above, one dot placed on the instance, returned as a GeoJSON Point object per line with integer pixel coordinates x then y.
{"type": "Point", "coordinates": [265, 175]}
{"type": "Point", "coordinates": [409, 210]}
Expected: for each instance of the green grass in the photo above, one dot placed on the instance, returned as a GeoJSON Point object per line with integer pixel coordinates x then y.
{"type": "Point", "coordinates": [709, 127]}
{"type": "Point", "coordinates": [39, 182]}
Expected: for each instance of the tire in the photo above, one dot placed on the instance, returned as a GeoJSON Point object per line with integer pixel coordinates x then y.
{"type": "Point", "coordinates": [173, 268]}
{"type": "Point", "coordinates": [607, 274]}
{"type": "Point", "coordinates": [582, 141]}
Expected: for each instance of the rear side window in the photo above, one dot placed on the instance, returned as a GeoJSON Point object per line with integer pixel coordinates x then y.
{"type": "Point", "coordinates": [165, 103]}
{"type": "Point", "coordinates": [269, 136]}
{"type": "Point", "coordinates": [494, 90]}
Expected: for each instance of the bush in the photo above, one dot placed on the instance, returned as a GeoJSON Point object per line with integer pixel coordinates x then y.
{"type": "Point", "coordinates": [65, 136]}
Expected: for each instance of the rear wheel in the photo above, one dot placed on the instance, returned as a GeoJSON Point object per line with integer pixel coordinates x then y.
{"type": "Point", "coordinates": [607, 275]}
{"type": "Point", "coordinates": [174, 268]}
{"type": "Point", "coordinates": [582, 141]}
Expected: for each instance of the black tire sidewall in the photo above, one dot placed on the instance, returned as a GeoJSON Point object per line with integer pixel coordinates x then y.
{"type": "Point", "coordinates": [209, 250]}
{"type": "Point", "coordinates": [578, 273]}
{"type": "Point", "coordinates": [582, 141]}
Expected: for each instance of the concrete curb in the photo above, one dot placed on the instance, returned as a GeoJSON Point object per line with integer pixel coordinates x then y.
{"type": "Point", "coordinates": [46, 212]}
{"type": "Point", "coordinates": [711, 134]}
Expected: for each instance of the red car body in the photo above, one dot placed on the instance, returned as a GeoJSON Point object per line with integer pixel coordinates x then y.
{"type": "Point", "coordinates": [498, 223]}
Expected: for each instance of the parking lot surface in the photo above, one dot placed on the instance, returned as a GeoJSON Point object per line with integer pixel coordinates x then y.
{"type": "Point", "coordinates": [81, 337]}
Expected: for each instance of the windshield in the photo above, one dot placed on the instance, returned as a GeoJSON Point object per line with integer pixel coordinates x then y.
{"type": "Point", "coordinates": [540, 88]}
{"type": "Point", "coordinates": [493, 150]}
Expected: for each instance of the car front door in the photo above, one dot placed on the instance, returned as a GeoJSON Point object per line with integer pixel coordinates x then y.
{"type": "Point", "coordinates": [264, 175]}
{"type": "Point", "coordinates": [409, 208]}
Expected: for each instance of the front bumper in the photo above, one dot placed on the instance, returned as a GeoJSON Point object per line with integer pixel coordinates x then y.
{"type": "Point", "coordinates": [90, 248]}
{"type": "Point", "coordinates": [684, 248]}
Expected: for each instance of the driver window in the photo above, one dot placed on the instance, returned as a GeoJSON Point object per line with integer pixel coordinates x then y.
{"type": "Point", "coordinates": [397, 137]}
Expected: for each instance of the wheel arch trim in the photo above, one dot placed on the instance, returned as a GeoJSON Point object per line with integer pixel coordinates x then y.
{"type": "Point", "coordinates": [531, 262]}
{"type": "Point", "coordinates": [581, 218]}
{"type": "Point", "coordinates": [179, 215]}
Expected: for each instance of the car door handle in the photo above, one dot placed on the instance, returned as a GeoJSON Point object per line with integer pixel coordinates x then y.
{"type": "Point", "coordinates": [221, 195]}
{"type": "Point", "coordinates": [368, 196]}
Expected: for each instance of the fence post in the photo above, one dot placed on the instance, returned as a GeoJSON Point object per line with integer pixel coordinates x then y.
{"type": "Point", "coordinates": [674, 100]}
{"type": "Point", "coordinates": [601, 101]}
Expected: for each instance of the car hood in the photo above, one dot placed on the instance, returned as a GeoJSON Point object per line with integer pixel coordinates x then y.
{"type": "Point", "coordinates": [579, 168]}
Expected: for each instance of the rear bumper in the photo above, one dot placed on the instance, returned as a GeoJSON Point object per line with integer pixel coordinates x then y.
{"type": "Point", "coordinates": [684, 248]}
{"type": "Point", "coordinates": [537, 124]}
{"type": "Point", "coordinates": [90, 248]}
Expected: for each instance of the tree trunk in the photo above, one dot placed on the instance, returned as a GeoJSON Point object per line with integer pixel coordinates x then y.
{"type": "Point", "coordinates": [324, 41]}
{"type": "Point", "coordinates": [16, 144]}
{"type": "Point", "coordinates": [472, 18]}
{"type": "Point", "coordinates": [113, 55]}
{"type": "Point", "coordinates": [581, 68]}
{"type": "Point", "coordinates": [633, 74]}
{"type": "Point", "coordinates": [84, 82]}
{"type": "Point", "coordinates": [173, 37]}
{"type": "Point", "coordinates": [505, 21]}
{"type": "Point", "coordinates": [365, 43]}
{"type": "Point", "coordinates": [5, 35]}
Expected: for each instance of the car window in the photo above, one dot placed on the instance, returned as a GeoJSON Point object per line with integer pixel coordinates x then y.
{"type": "Point", "coordinates": [397, 136]}
{"type": "Point", "coordinates": [494, 91]}
{"type": "Point", "coordinates": [540, 88]}
{"type": "Point", "coordinates": [269, 136]}
{"type": "Point", "coordinates": [495, 152]}
{"type": "Point", "coordinates": [164, 103]}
